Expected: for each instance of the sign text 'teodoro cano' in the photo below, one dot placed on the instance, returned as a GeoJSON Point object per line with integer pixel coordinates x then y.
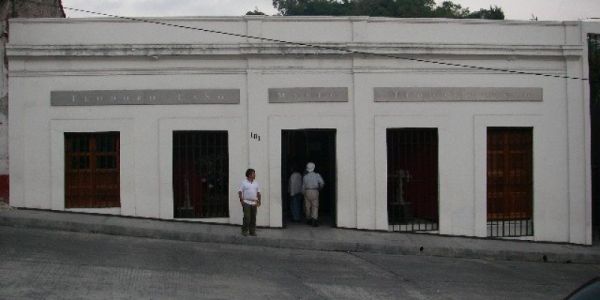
{"type": "Point", "coordinates": [144, 97]}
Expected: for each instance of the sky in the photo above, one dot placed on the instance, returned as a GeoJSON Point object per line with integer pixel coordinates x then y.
{"type": "Point", "coordinates": [544, 10]}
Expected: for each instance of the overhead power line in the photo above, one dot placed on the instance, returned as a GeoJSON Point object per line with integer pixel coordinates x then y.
{"type": "Point", "coordinates": [308, 45]}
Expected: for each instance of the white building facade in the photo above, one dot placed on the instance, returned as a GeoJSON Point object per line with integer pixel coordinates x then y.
{"type": "Point", "coordinates": [121, 100]}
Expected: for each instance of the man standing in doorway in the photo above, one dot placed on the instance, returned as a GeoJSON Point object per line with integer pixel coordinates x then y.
{"type": "Point", "coordinates": [249, 194]}
{"type": "Point", "coordinates": [295, 192]}
{"type": "Point", "coordinates": [311, 184]}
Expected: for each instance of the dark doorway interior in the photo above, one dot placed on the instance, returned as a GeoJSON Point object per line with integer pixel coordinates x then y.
{"type": "Point", "coordinates": [412, 185]}
{"type": "Point", "coordinates": [298, 147]}
{"type": "Point", "coordinates": [200, 174]}
{"type": "Point", "coordinates": [594, 60]}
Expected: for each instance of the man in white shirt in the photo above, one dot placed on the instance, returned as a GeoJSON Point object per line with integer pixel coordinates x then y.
{"type": "Point", "coordinates": [249, 194]}
{"type": "Point", "coordinates": [311, 184]}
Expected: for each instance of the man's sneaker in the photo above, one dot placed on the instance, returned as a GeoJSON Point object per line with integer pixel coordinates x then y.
{"type": "Point", "coordinates": [253, 233]}
{"type": "Point", "coordinates": [244, 233]}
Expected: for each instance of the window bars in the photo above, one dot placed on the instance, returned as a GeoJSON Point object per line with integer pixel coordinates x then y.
{"type": "Point", "coordinates": [412, 184]}
{"type": "Point", "coordinates": [200, 174]}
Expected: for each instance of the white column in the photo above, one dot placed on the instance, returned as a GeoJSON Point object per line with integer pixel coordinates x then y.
{"type": "Point", "coordinates": [579, 197]}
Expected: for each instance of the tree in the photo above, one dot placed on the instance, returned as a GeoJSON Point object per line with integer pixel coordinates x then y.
{"type": "Point", "coordinates": [448, 9]}
{"type": "Point", "coordinates": [256, 12]}
{"type": "Point", "coordinates": [393, 8]}
{"type": "Point", "coordinates": [494, 13]}
{"type": "Point", "coordinates": [382, 8]}
{"type": "Point", "coordinates": [312, 7]}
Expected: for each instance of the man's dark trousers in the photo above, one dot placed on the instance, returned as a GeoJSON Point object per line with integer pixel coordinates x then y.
{"type": "Point", "coordinates": [249, 218]}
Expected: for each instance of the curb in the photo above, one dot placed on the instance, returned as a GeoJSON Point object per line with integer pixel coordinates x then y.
{"type": "Point", "coordinates": [469, 248]}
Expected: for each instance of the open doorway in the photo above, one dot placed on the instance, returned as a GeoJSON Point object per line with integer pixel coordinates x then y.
{"type": "Point", "coordinates": [298, 147]}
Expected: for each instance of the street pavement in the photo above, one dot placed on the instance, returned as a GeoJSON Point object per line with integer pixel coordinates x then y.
{"type": "Point", "coordinates": [52, 264]}
{"type": "Point", "coordinates": [300, 236]}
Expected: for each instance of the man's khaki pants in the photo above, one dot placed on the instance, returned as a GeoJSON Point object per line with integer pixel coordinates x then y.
{"type": "Point", "coordinates": [311, 204]}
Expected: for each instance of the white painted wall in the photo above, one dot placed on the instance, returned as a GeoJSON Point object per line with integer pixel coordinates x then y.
{"type": "Point", "coordinates": [101, 54]}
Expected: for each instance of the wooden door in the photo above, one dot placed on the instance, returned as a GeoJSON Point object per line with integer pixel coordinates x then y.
{"type": "Point", "coordinates": [509, 174]}
{"type": "Point", "coordinates": [92, 170]}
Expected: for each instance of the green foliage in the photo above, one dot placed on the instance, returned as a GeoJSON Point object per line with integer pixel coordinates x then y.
{"type": "Point", "coordinates": [494, 13]}
{"type": "Point", "coordinates": [312, 7]}
{"type": "Point", "coordinates": [448, 9]}
{"type": "Point", "coordinates": [382, 8]}
{"type": "Point", "coordinates": [255, 12]}
{"type": "Point", "coordinates": [393, 8]}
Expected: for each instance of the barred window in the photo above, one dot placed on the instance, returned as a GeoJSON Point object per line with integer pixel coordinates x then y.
{"type": "Point", "coordinates": [412, 186]}
{"type": "Point", "coordinates": [200, 174]}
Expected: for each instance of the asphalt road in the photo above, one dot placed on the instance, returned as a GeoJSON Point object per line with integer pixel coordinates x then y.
{"type": "Point", "coordinates": [40, 264]}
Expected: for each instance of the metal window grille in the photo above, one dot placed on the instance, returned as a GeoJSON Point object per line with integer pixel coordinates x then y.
{"type": "Point", "coordinates": [200, 174]}
{"type": "Point", "coordinates": [412, 184]}
{"type": "Point", "coordinates": [92, 170]}
{"type": "Point", "coordinates": [509, 182]}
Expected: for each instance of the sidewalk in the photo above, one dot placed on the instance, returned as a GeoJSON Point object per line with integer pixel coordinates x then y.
{"type": "Point", "coordinates": [300, 236]}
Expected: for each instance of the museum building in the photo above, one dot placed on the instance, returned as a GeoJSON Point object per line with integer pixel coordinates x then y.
{"type": "Point", "coordinates": [456, 127]}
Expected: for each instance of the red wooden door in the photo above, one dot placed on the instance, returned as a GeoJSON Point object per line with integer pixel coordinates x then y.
{"type": "Point", "coordinates": [509, 174]}
{"type": "Point", "coordinates": [92, 170]}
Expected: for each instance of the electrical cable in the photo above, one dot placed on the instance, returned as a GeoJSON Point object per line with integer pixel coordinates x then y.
{"type": "Point", "coordinates": [321, 47]}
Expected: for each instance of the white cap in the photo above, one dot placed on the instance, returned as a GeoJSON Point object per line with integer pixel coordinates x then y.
{"type": "Point", "coordinates": [310, 167]}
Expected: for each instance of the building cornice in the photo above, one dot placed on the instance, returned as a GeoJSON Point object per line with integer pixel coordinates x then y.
{"type": "Point", "coordinates": [270, 49]}
{"type": "Point", "coordinates": [295, 19]}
